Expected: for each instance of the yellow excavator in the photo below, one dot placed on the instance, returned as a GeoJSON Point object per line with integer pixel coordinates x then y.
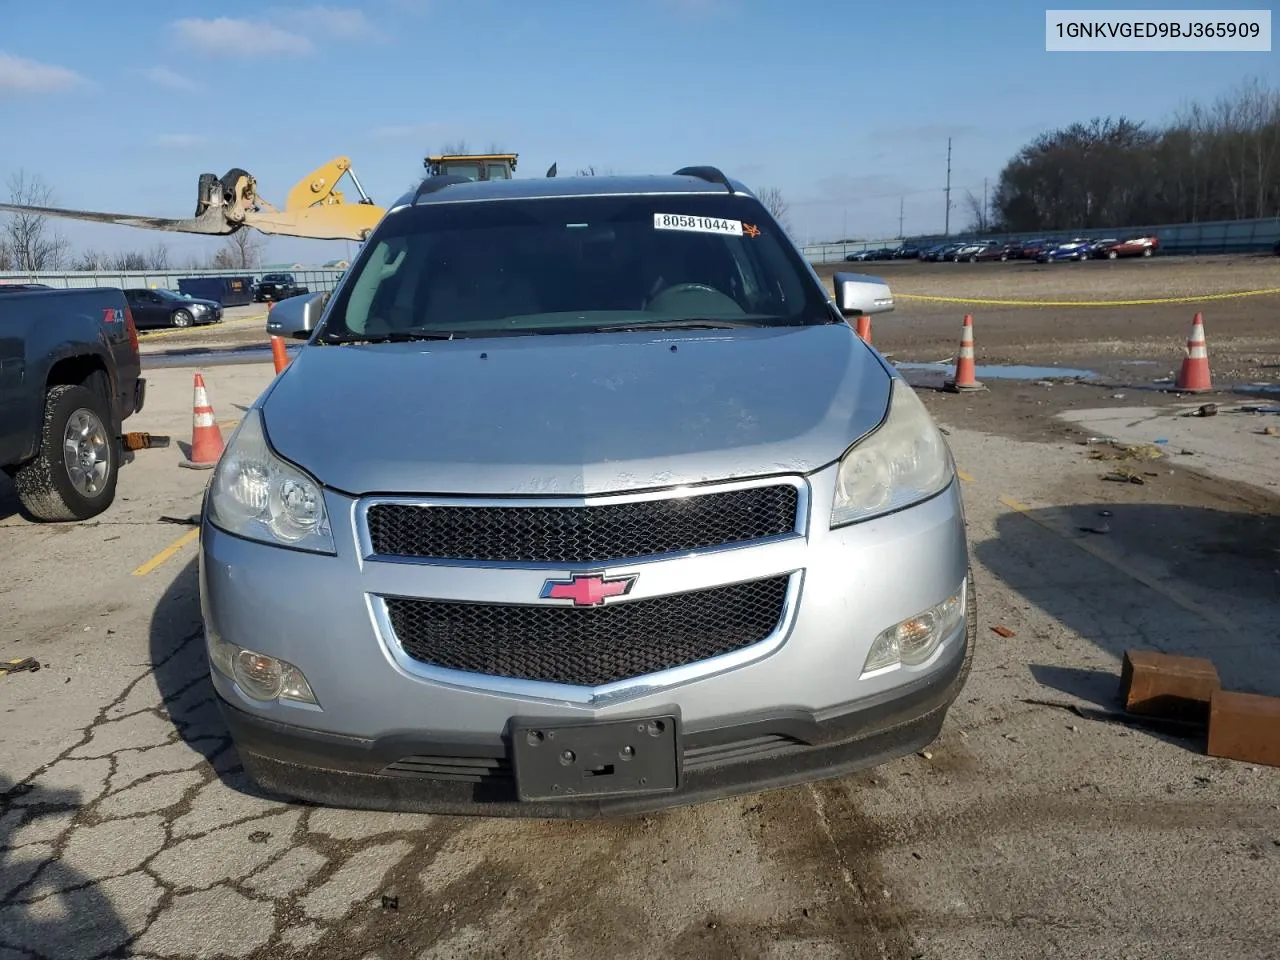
{"type": "Point", "coordinates": [314, 208]}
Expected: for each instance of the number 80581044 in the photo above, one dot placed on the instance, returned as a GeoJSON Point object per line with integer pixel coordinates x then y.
{"type": "Point", "coordinates": [679, 221]}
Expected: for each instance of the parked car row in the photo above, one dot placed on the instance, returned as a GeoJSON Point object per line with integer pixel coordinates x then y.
{"type": "Point", "coordinates": [1040, 250]}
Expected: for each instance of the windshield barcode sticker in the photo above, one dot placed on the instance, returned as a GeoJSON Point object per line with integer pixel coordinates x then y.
{"type": "Point", "coordinates": [679, 221]}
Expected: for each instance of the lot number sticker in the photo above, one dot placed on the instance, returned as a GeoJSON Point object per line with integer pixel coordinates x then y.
{"type": "Point", "coordinates": [678, 221]}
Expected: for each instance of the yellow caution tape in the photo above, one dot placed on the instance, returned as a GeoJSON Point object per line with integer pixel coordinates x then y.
{"type": "Point", "coordinates": [1088, 303]}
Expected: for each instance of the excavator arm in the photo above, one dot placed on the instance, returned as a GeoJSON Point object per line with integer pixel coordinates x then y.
{"type": "Point", "coordinates": [314, 208]}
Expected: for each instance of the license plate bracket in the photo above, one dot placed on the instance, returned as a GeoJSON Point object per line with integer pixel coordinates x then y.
{"type": "Point", "coordinates": [553, 760]}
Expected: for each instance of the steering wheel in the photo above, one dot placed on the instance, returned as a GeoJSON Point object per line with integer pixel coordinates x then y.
{"type": "Point", "coordinates": [720, 300]}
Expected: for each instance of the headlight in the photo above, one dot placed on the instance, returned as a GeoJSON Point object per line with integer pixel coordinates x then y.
{"type": "Point", "coordinates": [904, 462]}
{"type": "Point", "coordinates": [255, 494]}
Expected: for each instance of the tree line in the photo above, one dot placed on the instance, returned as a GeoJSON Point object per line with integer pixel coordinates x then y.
{"type": "Point", "coordinates": [1215, 161]}
{"type": "Point", "coordinates": [32, 242]}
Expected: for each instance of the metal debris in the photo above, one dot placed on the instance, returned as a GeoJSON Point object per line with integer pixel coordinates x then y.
{"type": "Point", "coordinates": [1124, 476]}
{"type": "Point", "coordinates": [1178, 728]}
{"type": "Point", "coordinates": [20, 665]}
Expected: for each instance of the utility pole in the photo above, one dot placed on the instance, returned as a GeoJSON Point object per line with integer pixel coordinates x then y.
{"type": "Point", "coordinates": [985, 221]}
{"type": "Point", "coordinates": [946, 229]}
{"type": "Point", "coordinates": [899, 218]}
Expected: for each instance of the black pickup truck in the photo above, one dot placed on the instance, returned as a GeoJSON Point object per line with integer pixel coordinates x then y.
{"type": "Point", "coordinates": [70, 375]}
{"type": "Point", "coordinates": [278, 286]}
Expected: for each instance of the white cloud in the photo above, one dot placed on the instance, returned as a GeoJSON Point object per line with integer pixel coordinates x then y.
{"type": "Point", "coordinates": [343, 23]}
{"type": "Point", "coordinates": [18, 75]}
{"type": "Point", "coordinates": [180, 141]}
{"type": "Point", "coordinates": [164, 77]}
{"type": "Point", "coordinates": [229, 37]}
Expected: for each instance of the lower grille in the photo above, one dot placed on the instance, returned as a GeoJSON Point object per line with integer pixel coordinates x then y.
{"type": "Point", "coordinates": [464, 769]}
{"type": "Point", "coordinates": [588, 646]}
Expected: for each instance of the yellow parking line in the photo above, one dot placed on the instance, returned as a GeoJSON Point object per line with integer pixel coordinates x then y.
{"type": "Point", "coordinates": [1173, 596]}
{"type": "Point", "coordinates": [964, 476]}
{"type": "Point", "coordinates": [1088, 303]}
{"type": "Point", "coordinates": [167, 553]}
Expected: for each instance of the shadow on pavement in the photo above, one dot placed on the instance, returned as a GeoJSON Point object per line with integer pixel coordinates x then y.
{"type": "Point", "coordinates": [9, 506]}
{"type": "Point", "coordinates": [182, 675]}
{"type": "Point", "coordinates": [1224, 565]}
{"type": "Point", "coordinates": [83, 922]}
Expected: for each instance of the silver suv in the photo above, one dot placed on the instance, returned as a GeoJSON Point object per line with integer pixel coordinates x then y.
{"type": "Point", "coordinates": [583, 497]}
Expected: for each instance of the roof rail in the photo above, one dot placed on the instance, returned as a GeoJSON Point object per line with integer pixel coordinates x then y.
{"type": "Point", "coordinates": [710, 174]}
{"type": "Point", "coordinates": [432, 184]}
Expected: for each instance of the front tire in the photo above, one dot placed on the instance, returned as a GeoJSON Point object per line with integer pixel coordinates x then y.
{"type": "Point", "coordinates": [182, 318]}
{"type": "Point", "coordinates": [73, 477]}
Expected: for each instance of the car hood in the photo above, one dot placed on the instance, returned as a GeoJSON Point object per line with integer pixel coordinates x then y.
{"type": "Point", "coordinates": [213, 304]}
{"type": "Point", "coordinates": [575, 414]}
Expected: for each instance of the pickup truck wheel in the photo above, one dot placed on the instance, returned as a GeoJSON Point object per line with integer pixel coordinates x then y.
{"type": "Point", "coordinates": [181, 318]}
{"type": "Point", "coordinates": [74, 475]}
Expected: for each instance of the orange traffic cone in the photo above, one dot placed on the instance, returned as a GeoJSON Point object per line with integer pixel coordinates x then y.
{"type": "Point", "coordinates": [279, 354]}
{"type": "Point", "coordinates": [864, 328]}
{"type": "Point", "coordinates": [966, 378]}
{"type": "Point", "coordinates": [1194, 375]}
{"type": "Point", "coordinates": [206, 438]}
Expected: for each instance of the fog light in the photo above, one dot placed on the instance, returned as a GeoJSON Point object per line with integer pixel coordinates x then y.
{"type": "Point", "coordinates": [260, 676]}
{"type": "Point", "coordinates": [914, 640]}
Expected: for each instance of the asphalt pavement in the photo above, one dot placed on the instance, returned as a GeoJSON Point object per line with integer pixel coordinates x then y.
{"type": "Point", "coordinates": [1027, 830]}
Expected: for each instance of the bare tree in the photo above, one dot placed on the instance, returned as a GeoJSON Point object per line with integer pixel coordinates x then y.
{"type": "Point", "coordinates": [979, 217]}
{"type": "Point", "coordinates": [7, 261]}
{"type": "Point", "coordinates": [129, 260]}
{"type": "Point", "coordinates": [158, 257]}
{"type": "Point", "coordinates": [456, 147]}
{"type": "Point", "coordinates": [91, 261]}
{"type": "Point", "coordinates": [243, 251]}
{"type": "Point", "coordinates": [32, 242]}
{"type": "Point", "coordinates": [777, 205]}
{"type": "Point", "coordinates": [591, 171]}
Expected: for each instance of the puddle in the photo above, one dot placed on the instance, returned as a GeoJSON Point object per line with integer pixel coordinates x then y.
{"type": "Point", "coordinates": [1010, 371]}
{"type": "Point", "coordinates": [1265, 389]}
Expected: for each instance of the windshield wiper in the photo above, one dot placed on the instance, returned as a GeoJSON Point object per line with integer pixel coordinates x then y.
{"type": "Point", "coordinates": [686, 323]}
{"type": "Point", "coordinates": [396, 336]}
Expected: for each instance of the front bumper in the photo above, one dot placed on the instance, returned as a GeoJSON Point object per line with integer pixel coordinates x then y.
{"type": "Point", "coordinates": [745, 754]}
{"type": "Point", "coordinates": [391, 735]}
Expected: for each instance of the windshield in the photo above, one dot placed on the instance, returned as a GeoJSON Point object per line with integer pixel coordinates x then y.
{"type": "Point", "coordinates": [573, 265]}
{"type": "Point", "coordinates": [276, 278]}
{"type": "Point", "coordinates": [168, 295]}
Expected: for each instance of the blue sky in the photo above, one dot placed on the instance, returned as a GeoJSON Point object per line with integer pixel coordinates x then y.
{"type": "Point", "coordinates": [846, 106]}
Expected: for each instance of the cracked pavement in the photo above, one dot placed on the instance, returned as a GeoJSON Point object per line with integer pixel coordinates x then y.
{"type": "Point", "coordinates": [127, 826]}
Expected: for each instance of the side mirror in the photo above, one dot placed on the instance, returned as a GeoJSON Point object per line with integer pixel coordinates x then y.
{"type": "Point", "coordinates": [296, 317]}
{"type": "Point", "coordinates": [862, 296]}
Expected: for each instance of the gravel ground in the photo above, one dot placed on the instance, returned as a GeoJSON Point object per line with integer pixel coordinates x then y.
{"type": "Point", "coordinates": [1025, 831]}
{"type": "Point", "coordinates": [1243, 333]}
